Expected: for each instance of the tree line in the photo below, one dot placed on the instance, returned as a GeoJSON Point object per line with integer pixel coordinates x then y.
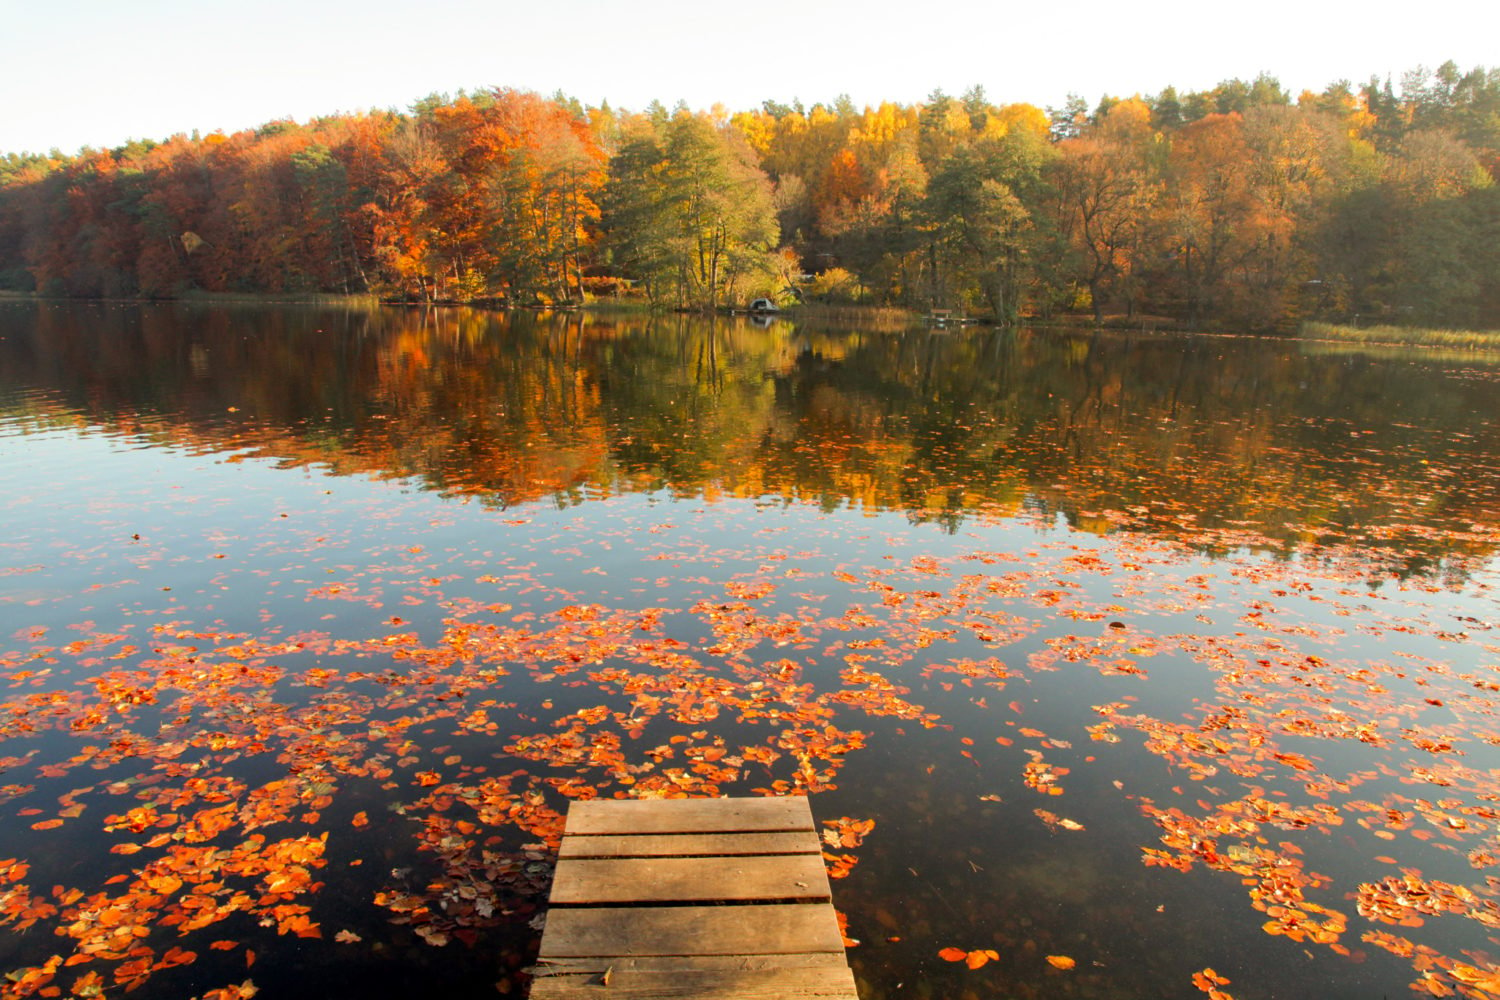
{"type": "Point", "coordinates": [1236, 206]}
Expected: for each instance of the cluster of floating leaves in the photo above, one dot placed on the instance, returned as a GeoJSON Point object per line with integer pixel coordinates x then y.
{"type": "Point", "coordinates": [223, 769]}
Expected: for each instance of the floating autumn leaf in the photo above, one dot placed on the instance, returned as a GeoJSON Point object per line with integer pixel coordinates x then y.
{"type": "Point", "coordinates": [1060, 962]}
{"type": "Point", "coordinates": [176, 956]}
{"type": "Point", "coordinates": [843, 918]}
{"type": "Point", "coordinates": [846, 832]}
{"type": "Point", "coordinates": [1055, 821]}
{"type": "Point", "coordinates": [432, 935]}
{"type": "Point", "coordinates": [1487, 980]}
{"type": "Point", "coordinates": [88, 985]}
{"type": "Point", "coordinates": [1209, 981]}
{"type": "Point", "coordinates": [347, 937]}
{"type": "Point", "coordinates": [973, 959]}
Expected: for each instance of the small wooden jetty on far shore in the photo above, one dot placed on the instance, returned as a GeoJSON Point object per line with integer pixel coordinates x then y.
{"type": "Point", "coordinates": [720, 899]}
{"type": "Point", "coordinates": [946, 317]}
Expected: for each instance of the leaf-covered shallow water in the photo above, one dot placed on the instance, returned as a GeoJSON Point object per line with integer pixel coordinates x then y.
{"type": "Point", "coordinates": [1153, 666]}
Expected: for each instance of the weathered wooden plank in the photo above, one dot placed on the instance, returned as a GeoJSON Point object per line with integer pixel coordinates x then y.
{"type": "Point", "coordinates": [598, 816]}
{"type": "Point", "coordinates": [691, 930]}
{"type": "Point", "coordinates": [689, 844]}
{"type": "Point", "coordinates": [670, 880]}
{"type": "Point", "coordinates": [732, 851]}
{"type": "Point", "coordinates": [596, 964]}
{"type": "Point", "coordinates": [776, 984]}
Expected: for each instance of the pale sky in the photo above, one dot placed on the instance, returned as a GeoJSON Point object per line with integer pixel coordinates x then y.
{"type": "Point", "coordinates": [99, 72]}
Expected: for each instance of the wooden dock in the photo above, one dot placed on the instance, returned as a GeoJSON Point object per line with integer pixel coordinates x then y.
{"type": "Point", "coordinates": [719, 899]}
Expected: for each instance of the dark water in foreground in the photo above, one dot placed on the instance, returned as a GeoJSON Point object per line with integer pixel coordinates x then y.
{"type": "Point", "coordinates": [1158, 654]}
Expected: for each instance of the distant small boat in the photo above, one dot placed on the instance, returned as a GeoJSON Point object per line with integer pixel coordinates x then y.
{"type": "Point", "coordinates": [763, 306]}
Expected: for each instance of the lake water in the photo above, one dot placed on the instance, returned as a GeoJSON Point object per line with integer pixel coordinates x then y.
{"type": "Point", "coordinates": [1145, 654]}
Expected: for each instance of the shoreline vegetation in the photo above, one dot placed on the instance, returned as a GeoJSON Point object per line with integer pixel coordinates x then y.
{"type": "Point", "coordinates": [1457, 344]}
{"type": "Point", "coordinates": [1403, 336]}
{"type": "Point", "coordinates": [817, 316]}
{"type": "Point", "coordinates": [1242, 207]}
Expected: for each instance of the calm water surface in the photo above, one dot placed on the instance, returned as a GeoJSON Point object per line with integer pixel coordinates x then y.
{"type": "Point", "coordinates": [1159, 654]}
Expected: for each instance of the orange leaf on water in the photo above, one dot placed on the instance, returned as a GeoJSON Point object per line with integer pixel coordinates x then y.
{"type": "Point", "coordinates": [1060, 961]}
{"type": "Point", "coordinates": [953, 954]}
{"type": "Point", "coordinates": [176, 956]}
{"type": "Point", "coordinates": [1208, 980]}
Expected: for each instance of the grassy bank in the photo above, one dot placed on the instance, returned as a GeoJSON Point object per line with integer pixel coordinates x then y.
{"type": "Point", "coordinates": [278, 298]}
{"type": "Point", "coordinates": [618, 307]}
{"type": "Point", "coordinates": [887, 319]}
{"type": "Point", "coordinates": [1403, 335]}
{"type": "Point", "coordinates": [1429, 353]}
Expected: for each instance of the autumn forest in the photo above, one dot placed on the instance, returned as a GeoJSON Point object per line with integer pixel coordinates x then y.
{"type": "Point", "coordinates": [1238, 207]}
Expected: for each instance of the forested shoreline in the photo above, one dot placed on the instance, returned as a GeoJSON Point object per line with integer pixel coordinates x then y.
{"type": "Point", "coordinates": [1237, 207]}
